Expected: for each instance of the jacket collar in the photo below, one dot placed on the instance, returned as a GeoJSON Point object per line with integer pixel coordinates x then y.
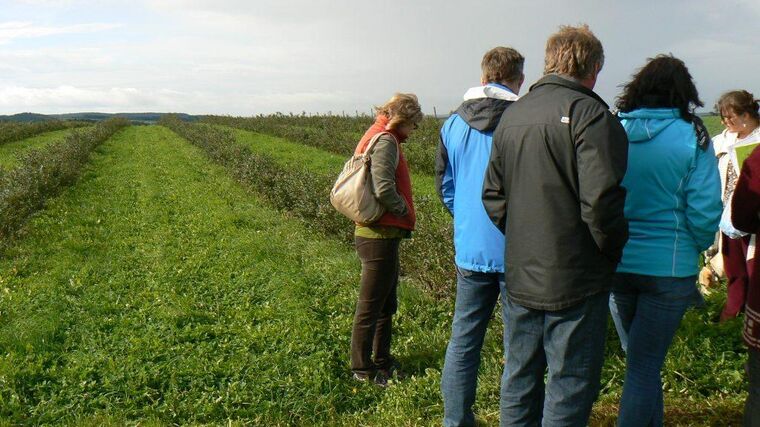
{"type": "Point", "coordinates": [381, 125]}
{"type": "Point", "coordinates": [555, 79]}
{"type": "Point", "coordinates": [491, 90]}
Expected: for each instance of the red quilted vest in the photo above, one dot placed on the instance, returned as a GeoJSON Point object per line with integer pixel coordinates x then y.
{"type": "Point", "coordinates": [403, 180]}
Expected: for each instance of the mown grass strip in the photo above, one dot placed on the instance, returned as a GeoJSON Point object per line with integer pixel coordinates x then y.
{"type": "Point", "coordinates": [12, 151]}
{"type": "Point", "coordinates": [42, 173]}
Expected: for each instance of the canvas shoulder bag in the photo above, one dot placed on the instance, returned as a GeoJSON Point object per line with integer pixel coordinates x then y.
{"type": "Point", "coordinates": [353, 195]}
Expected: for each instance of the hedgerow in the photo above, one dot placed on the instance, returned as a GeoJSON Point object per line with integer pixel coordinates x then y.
{"type": "Point", "coordinates": [14, 131]}
{"type": "Point", "coordinates": [304, 193]}
{"type": "Point", "coordinates": [42, 174]}
{"type": "Point", "coordinates": [337, 134]}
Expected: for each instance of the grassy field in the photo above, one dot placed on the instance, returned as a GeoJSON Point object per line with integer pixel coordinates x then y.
{"type": "Point", "coordinates": [159, 291]}
{"type": "Point", "coordinates": [713, 124]}
{"type": "Point", "coordinates": [156, 289]}
{"type": "Point", "coordinates": [10, 152]}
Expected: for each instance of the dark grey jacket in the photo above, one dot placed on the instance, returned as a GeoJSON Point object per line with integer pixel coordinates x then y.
{"type": "Point", "coordinates": [553, 186]}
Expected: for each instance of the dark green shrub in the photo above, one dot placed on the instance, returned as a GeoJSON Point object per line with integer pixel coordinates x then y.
{"type": "Point", "coordinates": [337, 134]}
{"type": "Point", "coordinates": [43, 173]}
{"type": "Point", "coordinates": [14, 131]}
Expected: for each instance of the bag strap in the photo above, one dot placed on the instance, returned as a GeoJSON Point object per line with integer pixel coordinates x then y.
{"type": "Point", "coordinates": [703, 142]}
{"type": "Point", "coordinates": [703, 136]}
{"type": "Point", "coordinates": [376, 138]}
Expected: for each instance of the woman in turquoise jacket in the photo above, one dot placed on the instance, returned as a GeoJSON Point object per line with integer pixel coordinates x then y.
{"type": "Point", "coordinates": [673, 207]}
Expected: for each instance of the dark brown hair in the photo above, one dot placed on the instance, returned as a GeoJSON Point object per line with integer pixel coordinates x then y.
{"type": "Point", "coordinates": [502, 65]}
{"type": "Point", "coordinates": [573, 51]}
{"type": "Point", "coordinates": [664, 82]}
{"type": "Point", "coordinates": [738, 102]}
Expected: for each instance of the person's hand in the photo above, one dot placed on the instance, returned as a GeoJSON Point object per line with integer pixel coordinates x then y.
{"type": "Point", "coordinates": [707, 280]}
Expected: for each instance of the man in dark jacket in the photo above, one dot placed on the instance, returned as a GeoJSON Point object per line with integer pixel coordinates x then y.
{"type": "Point", "coordinates": [553, 185]}
{"type": "Point", "coordinates": [460, 167]}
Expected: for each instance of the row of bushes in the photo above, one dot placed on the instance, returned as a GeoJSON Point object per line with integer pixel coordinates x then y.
{"type": "Point", "coordinates": [428, 256]}
{"type": "Point", "coordinates": [338, 134]}
{"type": "Point", "coordinates": [15, 131]}
{"type": "Point", "coordinates": [42, 174]}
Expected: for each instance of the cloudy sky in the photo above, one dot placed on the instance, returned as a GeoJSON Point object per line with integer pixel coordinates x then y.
{"type": "Point", "coordinates": [244, 57]}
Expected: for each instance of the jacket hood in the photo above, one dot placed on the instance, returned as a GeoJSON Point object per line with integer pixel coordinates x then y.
{"type": "Point", "coordinates": [484, 105]}
{"type": "Point", "coordinates": [646, 123]}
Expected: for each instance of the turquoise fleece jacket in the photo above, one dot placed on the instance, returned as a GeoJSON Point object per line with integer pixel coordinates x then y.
{"type": "Point", "coordinates": [673, 204]}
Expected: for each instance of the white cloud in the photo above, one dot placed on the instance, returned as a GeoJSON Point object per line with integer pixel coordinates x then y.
{"type": "Point", "coordinates": [61, 99]}
{"type": "Point", "coordinates": [248, 57]}
{"type": "Point", "coordinates": [13, 30]}
{"type": "Point", "coordinates": [70, 98]}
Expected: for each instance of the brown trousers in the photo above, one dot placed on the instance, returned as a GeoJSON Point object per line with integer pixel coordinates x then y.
{"type": "Point", "coordinates": [376, 305]}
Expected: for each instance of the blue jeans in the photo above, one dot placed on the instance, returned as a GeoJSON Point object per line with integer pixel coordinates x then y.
{"type": "Point", "coordinates": [570, 343]}
{"type": "Point", "coordinates": [647, 311]}
{"type": "Point", "coordinates": [477, 294]}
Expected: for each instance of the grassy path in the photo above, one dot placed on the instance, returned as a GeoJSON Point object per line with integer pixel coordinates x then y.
{"type": "Point", "coordinates": [10, 151]}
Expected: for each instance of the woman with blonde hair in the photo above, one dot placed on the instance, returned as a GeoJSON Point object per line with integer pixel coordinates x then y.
{"type": "Point", "coordinates": [377, 244]}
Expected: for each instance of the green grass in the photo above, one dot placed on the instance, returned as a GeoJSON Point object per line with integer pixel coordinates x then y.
{"type": "Point", "coordinates": [713, 125]}
{"type": "Point", "coordinates": [157, 291]}
{"type": "Point", "coordinates": [10, 152]}
{"type": "Point", "coordinates": [291, 154]}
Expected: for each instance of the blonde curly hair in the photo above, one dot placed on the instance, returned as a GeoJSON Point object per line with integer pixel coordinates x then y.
{"type": "Point", "coordinates": [402, 108]}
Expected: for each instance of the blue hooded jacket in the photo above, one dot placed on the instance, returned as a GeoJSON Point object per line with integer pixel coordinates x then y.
{"type": "Point", "coordinates": [673, 204]}
{"type": "Point", "coordinates": [461, 163]}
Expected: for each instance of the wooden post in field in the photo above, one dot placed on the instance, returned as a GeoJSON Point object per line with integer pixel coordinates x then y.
{"type": "Point", "coordinates": [357, 114]}
{"type": "Point", "coordinates": [435, 113]}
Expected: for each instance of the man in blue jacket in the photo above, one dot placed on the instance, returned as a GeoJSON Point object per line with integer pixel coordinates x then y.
{"type": "Point", "coordinates": [461, 163]}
